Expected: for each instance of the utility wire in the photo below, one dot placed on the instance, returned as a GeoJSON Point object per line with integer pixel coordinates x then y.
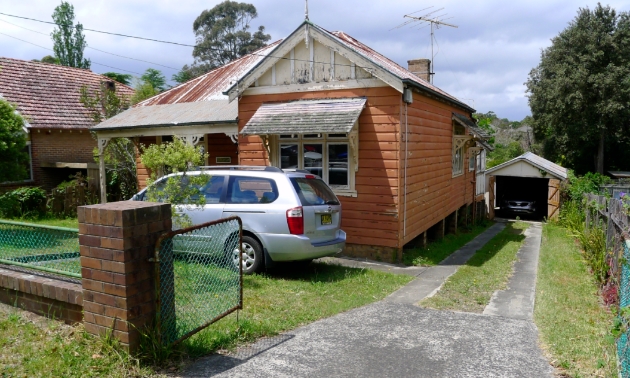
{"type": "Point", "coordinates": [92, 62]}
{"type": "Point", "coordinates": [93, 48]}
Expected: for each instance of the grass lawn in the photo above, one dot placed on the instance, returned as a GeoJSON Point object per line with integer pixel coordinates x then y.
{"type": "Point", "coordinates": [572, 322]}
{"type": "Point", "coordinates": [34, 346]}
{"type": "Point", "coordinates": [472, 286]}
{"type": "Point", "coordinates": [437, 251]}
{"type": "Point", "coordinates": [67, 222]}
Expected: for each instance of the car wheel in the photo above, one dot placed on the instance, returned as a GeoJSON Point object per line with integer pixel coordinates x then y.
{"type": "Point", "coordinates": [252, 255]}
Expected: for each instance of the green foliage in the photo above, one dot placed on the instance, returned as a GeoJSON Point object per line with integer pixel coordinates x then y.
{"type": "Point", "coordinates": [121, 78]}
{"type": "Point", "coordinates": [68, 39]}
{"type": "Point", "coordinates": [155, 78]}
{"type": "Point", "coordinates": [50, 59]}
{"type": "Point", "coordinates": [103, 104]}
{"type": "Point", "coordinates": [222, 34]}
{"type": "Point", "coordinates": [143, 92]}
{"type": "Point", "coordinates": [13, 158]}
{"type": "Point", "coordinates": [23, 203]}
{"type": "Point", "coordinates": [593, 242]}
{"type": "Point", "coordinates": [577, 186]}
{"type": "Point", "coordinates": [169, 158]}
{"type": "Point", "coordinates": [579, 93]}
{"type": "Point", "coordinates": [502, 153]}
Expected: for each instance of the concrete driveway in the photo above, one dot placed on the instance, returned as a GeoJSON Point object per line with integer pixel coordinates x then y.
{"type": "Point", "coordinates": [390, 340]}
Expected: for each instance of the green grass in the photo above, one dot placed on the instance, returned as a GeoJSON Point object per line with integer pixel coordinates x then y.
{"type": "Point", "coordinates": [292, 297]}
{"type": "Point", "coordinates": [66, 222]}
{"type": "Point", "coordinates": [33, 346]}
{"type": "Point", "coordinates": [472, 286]}
{"type": "Point", "coordinates": [437, 251]}
{"type": "Point", "coordinates": [572, 322]}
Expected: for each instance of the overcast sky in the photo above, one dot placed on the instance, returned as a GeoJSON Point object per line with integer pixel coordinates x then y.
{"type": "Point", "coordinates": [484, 62]}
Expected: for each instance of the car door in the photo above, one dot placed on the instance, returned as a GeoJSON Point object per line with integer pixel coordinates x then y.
{"type": "Point", "coordinates": [214, 193]}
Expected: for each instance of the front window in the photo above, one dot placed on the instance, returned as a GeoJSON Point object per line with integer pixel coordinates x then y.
{"type": "Point", "coordinates": [324, 155]}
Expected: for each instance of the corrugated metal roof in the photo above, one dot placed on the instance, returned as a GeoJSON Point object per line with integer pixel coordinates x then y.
{"type": "Point", "coordinates": [211, 85]}
{"type": "Point", "coordinates": [47, 95]}
{"type": "Point", "coordinates": [537, 161]}
{"type": "Point", "coordinates": [306, 116]}
{"type": "Point", "coordinates": [192, 113]}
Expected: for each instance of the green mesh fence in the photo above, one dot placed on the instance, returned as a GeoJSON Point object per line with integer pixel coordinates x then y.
{"type": "Point", "coordinates": [200, 277]}
{"type": "Point", "coordinates": [45, 248]}
{"type": "Point", "coordinates": [623, 349]}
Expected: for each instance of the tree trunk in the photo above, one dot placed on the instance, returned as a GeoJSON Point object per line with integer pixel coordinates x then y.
{"type": "Point", "coordinates": [600, 152]}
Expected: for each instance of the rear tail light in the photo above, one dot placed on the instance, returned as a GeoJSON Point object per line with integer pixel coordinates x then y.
{"type": "Point", "coordinates": [295, 220]}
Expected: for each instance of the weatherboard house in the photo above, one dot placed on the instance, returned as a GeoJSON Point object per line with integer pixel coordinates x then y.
{"type": "Point", "coordinates": [405, 158]}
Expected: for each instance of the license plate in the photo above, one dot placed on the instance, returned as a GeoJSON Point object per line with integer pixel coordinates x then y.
{"type": "Point", "coordinates": [326, 219]}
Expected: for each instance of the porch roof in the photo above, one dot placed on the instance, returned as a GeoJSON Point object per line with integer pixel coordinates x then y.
{"type": "Point", "coordinates": [306, 116]}
{"type": "Point", "coordinates": [480, 135]}
{"type": "Point", "coordinates": [172, 115]}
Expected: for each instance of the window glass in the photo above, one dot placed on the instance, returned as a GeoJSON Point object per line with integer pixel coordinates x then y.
{"type": "Point", "coordinates": [289, 156]}
{"type": "Point", "coordinates": [213, 189]}
{"type": "Point", "coordinates": [338, 165]}
{"type": "Point", "coordinates": [27, 165]}
{"type": "Point", "coordinates": [288, 136]}
{"type": "Point", "coordinates": [313, 192]}
{"type": "Point", "coordinates": [337, 135]}
{"type": "Point", "coordinates": [313, 158]}
{"type": "Point", "coordinates": [471, 162]}
{"type": "Point", "coordinates": [311, 136]}
{"type": "Point", "coordinates": [243, 189]}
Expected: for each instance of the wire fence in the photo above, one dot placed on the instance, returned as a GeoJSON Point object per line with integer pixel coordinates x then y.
{"type": "Point", "coordinates": [200, 277]}
{"type": "Point", "coordinates": [44, 248]}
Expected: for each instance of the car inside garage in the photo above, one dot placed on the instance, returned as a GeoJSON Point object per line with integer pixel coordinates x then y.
{"type": "Point", "coordinates": [526, 187]}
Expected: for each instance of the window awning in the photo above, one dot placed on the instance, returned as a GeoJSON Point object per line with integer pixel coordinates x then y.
{"type": "Point", "coordinates": [306, 117]}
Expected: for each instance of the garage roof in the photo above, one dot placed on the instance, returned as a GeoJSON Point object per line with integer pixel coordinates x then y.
{"type": "Point", "coordinates": [538, 162]}
{"type": "Point", "coordinates": [306, 116]}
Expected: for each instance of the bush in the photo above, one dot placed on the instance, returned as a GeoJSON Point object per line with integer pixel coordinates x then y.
{"type": "Point", "coordinates": [23, 202]}
{"type": "Point", "coordinates": [575, 187]}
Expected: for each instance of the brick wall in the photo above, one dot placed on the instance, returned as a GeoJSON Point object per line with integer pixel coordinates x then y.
{"type": "Point", "coordinates": [53, 146]}
{"type": "Point", "coordinates": [44, 296]}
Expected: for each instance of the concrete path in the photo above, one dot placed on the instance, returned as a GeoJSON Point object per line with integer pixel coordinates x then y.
{"type": "Point", "coordinates": [351, 262]}
{"type": "Point", "coordinates": [517, 302]}
{"type": "Point", "coordinates": [390, 340]}
{"type": "Point", "coordinates": [431, 279]}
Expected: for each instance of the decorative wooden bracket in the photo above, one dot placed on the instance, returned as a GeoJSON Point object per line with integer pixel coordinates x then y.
{"type": "Point", "coordinates": [266, 145]}
{"type": "Point", "coordinates": [233, 137]}
{"type": "Point", "coordinates": [102, 143]}
{"type": "Point", "coordinates": [191, 139]}
{"type": "Point", "coordinates": [459, 141]}
{"type": "Point", "coordinates": [353, 139]}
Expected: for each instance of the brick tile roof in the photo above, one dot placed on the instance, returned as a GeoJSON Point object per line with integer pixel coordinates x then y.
{"type": "Point", "coordinates": [47, 95]}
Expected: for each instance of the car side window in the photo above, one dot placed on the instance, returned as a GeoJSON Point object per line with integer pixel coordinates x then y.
{"type": "Point", "coordinates": [242, 189]}
{"type": "Point", "coordinates": [213, 190]}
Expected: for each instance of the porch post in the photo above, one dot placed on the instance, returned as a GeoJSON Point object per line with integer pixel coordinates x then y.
{"type": "Point", "coordinates": [102, 143]}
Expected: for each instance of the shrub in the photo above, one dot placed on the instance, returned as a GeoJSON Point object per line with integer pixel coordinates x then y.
{"type": "Point", "coordinates": [23, 202]}
{"type": "Point", "coordinates": [575, 187]}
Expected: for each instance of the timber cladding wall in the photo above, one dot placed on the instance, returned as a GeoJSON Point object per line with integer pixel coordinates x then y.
{"type": "Point", "coordinates": [53, 146]}
{"type": "Point", "coordinates": [432, 192]}
{"type": "Point", "coordinates": [372, 218]}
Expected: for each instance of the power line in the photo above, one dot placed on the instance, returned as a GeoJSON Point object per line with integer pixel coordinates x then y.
{"type": "Point", "coordinates": [46, 48]}
{"type": "Point", "coordinates": [93, 48]}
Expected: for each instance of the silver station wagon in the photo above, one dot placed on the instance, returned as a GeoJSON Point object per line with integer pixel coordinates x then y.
{"type": "Point", "coordinates": [287, 215]}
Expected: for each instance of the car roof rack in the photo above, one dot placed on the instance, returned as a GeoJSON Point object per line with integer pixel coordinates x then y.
{"type": "Point", "coordinates": [297, 170]}
{"type": "Point", "coordinates": [240, 167]}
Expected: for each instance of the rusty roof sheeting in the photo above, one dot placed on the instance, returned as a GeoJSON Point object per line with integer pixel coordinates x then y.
{"type": "Point", "coordinates": [306, 116]}
{"type": "Point", "coordinates": [47, 95]}
{"type": "Point", "coordinates": [183, 114]}
{"type": "Point", "coordinates": [538, 162]}
{"type": "Point", "coordinates": [211, 85]}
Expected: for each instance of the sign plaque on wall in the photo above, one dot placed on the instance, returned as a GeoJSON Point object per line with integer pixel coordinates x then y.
{"type": "Point", "coordinates": [223, 160]}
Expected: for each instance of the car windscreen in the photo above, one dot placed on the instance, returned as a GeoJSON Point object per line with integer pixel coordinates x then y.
{"type": "Point", "coordinates": [313, 192]}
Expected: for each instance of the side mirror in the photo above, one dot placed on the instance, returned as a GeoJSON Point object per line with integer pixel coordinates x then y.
{"type": "Point", "coordinates": [134, 197]}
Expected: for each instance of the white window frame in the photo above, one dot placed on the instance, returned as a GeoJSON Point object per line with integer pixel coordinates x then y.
{"type": "Point", "coordinates": [325, 140]}
{"type": "Point", "coordinates": [459, 150]}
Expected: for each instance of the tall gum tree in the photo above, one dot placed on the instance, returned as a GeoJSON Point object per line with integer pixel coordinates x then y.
{"type": "Point", "coordinates": [579, 94]}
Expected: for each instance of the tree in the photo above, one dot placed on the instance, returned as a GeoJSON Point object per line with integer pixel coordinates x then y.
{"type": "Point", "coordinates": [121, 78]}
{"type": "Point", "coordinates": [190, 72]}
{"type": "Point", "coordinates": [69, 41]}
{"type": "Point", "coordinates": [13, 157]}
{"type": "Point", "coordinates": [222, 35]}
{"type": "Point", "coordinates": [155, 78]}
{"type": "Point", "coordinates": [120, 153]}
{"type": "Point", "coordinates": [579, 94]}
{"type": "Point", "coordinates": [48, 59]}
{"type": "Point", "coordinates": [143, 92]}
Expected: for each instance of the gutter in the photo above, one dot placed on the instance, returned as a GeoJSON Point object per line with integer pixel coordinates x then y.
{"type": "Point", "coordinates": [115, 128]}
{"type": "Point", "coordinates": [422, 88]}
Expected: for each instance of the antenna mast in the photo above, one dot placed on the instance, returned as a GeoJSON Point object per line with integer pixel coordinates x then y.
{"type": "Point", "coordinates": [435, 22]}
{"type": "Point", "coordinates": [306, 11]}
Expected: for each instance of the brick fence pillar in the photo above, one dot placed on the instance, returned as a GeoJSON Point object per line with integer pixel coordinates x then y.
{"type": "Point", "coordinates": [116, 242]}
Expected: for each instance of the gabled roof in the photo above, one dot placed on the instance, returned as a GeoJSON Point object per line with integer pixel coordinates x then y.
{"type": "Point", "coordinates": [364, 53]}
{"type": "Point", "coordinates": [210, 86]}
{"type": "Point", "coordinates": [536, 161]}
{"type": "Point", "coordinates": [47, 95]}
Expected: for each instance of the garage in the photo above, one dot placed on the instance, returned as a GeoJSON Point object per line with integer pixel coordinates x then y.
{"type": "Point", "coordinates": [526, 187]}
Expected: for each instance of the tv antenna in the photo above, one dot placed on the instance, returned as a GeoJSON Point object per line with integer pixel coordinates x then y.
{"type": "Point", "coordinates": [435, 21]}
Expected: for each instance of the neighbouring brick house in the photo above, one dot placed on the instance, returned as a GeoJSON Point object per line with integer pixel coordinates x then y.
{"type": "Point", "coordinates": [58, 125]}
{"type": "Point", "coordinates": [405, 158]}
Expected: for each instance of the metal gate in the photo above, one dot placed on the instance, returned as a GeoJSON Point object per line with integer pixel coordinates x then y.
{"type": "Point", "coordinates": [199, 277]}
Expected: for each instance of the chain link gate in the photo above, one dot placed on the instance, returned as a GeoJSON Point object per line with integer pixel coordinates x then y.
{"type": "Point", "coordinates": [623, 348]}
{"type": "Point", "coordinates": [199, 277]}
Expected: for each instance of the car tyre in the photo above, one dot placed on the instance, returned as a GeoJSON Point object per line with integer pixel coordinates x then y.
{"type": "Point", "coordinates": [252, 254]}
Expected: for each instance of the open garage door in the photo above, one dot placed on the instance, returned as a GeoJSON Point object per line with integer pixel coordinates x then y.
{"type": "Point", "coordinates": [553, 202]}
